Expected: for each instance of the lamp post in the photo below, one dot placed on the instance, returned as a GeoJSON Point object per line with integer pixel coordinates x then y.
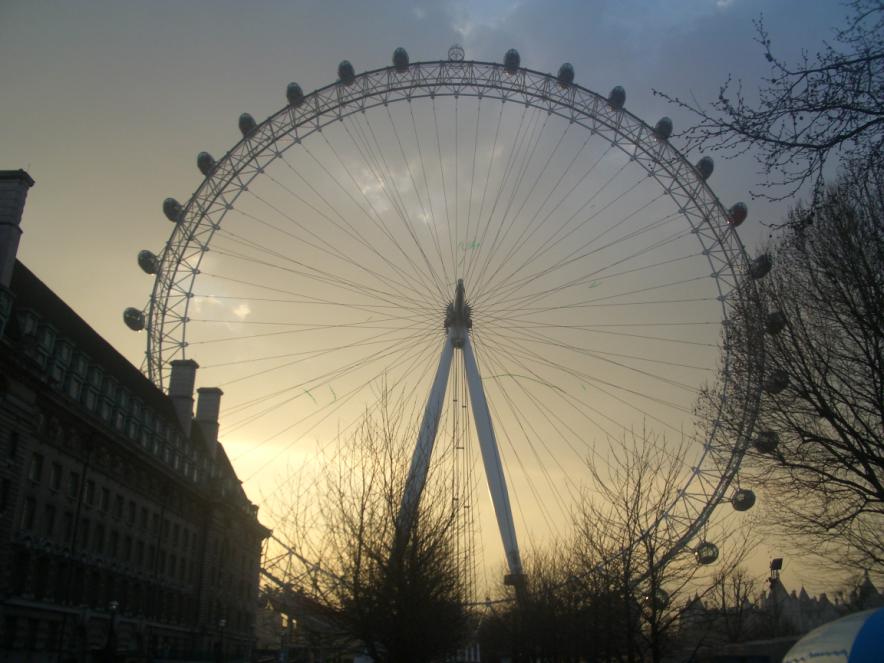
{"type": "Point", "coordinates": [283, 650]}
{"type": "Point", "coordinates": [221, 624]}
{"type": "Point", "coordinates": [110, 647]}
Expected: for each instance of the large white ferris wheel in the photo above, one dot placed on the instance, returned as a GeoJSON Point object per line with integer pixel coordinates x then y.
{"type": "Point", "coordinates": [551, 256]}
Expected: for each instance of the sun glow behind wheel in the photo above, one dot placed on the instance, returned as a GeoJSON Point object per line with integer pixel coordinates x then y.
{"type": "Point", "coordinates": [314, 265]}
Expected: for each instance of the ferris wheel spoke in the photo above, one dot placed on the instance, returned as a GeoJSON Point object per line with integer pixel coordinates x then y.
{"type": "Point", "coordinates": [576, 442]}
{"type": "Point", "coordinates": [452, 236]}
{"type": "Point", "coordinates": [492, 155]}
{"type": "Point", "coordinates": [475, 140]}
{"type": "Point", "coordinates": [376, 162]}
{"type": "Point", "coordinates": [430, 206]}
{"type": "Point", "coordinates": [546, 410]}
{"type": "Point", "coordinates": [327, 245]}
{"type": "Point", "coordinates": [422, 357]}
{"type": "Point", "coordinates": [514, 454]}
{"type": "Point", "coordinates": [312, 273]}
{"type": "Point", "coordinates": [517, 350]}
{"type": "Point", "coordinates": [591, 303]}
{"type": "Point", "coordinates": [284, 396]}
{"type": "Point", "coordinates": [520, 151]}
{"type": "Point", "coordinates": [581, 252]}
{"type": "Point", "coordinates": [536, 222]}
{"type": "Point", "coordinates": [377, 218]}
{"type": "Point", "coordinates": [603, 358]}
{"type": "Point", "coordinates": [579, 406]}
{"type": "Point", "coordinates": [597, 276]}
{"type": "Point", "coordinates": [426, 210]}
{"type": "Point", "coordinates": [556, 238]}
{"type": "Point", "coordinates": [412, 311]}
{"type": "Point", "coordinates": [530, 434]}
{"type": "Point", "coordinates": [530, 227]}
{"type": "Point", "coordinates": [321, 380]}
{"type": "Point", "coordinates": [371, 217]}
{"type": "Point", "coordinates": [503, 228]}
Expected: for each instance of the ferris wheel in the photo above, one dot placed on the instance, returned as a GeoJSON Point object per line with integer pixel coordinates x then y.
{"type": "Point", "coordinates": [533, 265]}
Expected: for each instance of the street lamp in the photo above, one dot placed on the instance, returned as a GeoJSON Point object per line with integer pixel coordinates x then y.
{"type": "Point", "coordinates": [110, 647]}
{"type": "Point", "coordinates": [776, 565]}
{"type": "Point", "coordinates": [221, 624]}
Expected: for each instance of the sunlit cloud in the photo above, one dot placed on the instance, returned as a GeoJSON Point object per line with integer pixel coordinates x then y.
{"type": "Point", "coordinates": [242, 311]}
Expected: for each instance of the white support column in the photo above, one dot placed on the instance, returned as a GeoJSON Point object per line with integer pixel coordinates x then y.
{"type": "Point", "coordinates": [493, 467]}
{"type": "Point", "coordinates": [423, 450]}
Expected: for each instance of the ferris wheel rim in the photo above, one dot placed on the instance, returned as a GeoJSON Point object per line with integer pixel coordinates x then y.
{"type": "Point", "coordinates": [246, 160]}
{"type": "Point", "coordinates": [542, 92]}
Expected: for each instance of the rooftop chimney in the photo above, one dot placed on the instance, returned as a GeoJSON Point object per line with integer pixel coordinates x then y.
{"type": "Point", "coordinates": [14, 185]}
{"type": "Point", "coordinates": [181, 390]}
{"type": "Point", "coordinates": [208, 405]}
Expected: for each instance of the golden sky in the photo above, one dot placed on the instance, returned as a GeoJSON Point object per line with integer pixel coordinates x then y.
{"type": "Point", "coordinates": [297, 314]}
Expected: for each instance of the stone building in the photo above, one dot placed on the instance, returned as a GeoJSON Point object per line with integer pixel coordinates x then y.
{"type": "Point", "coordinates": [123, 528]}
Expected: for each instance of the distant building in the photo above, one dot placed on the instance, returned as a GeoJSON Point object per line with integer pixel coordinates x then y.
{"type": "Point", "coordinates": [768, 627]}
{"type": "Point", "coordinates": [123, 528]}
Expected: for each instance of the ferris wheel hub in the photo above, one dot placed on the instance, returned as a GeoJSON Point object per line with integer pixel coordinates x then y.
{"type": "Point", "coordinates": [458, 316]}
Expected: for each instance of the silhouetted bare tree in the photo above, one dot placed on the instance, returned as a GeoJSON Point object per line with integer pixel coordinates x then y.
{"type": "Point", "coordinates": [623, 535]}
{"type": "Point", "coordinates": [614, 593]}
{"type": "Point", "coordinates": [403, 599]}
{"type": "Point", "coordinates": [820, 452]}
{"type": "Point", "coordinates": [732, 600]}
{"type": "Point", "coordinates": [831, 102]}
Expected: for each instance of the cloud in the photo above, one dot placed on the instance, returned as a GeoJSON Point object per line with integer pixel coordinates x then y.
{"type": "Point", "coordinates": [242, 311]}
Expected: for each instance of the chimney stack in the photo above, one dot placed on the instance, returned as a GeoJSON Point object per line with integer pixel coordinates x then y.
{"type": "Point", "coordinates": [14, 185]}
{"type": "Point", "coordinates": [208, 405]}
{"type": "Point", "coordinates": [181, 390]}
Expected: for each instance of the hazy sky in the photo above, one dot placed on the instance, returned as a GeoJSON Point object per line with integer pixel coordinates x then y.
{"type": "Point", "coordinates": [106, 104]}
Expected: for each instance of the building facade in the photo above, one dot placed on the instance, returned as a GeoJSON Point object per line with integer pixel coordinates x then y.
{"type": "Point", "coordinates": [124, 531]}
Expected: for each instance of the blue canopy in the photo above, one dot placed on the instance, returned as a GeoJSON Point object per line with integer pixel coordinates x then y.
{"type": "Point", "coordinates": [856, 638]}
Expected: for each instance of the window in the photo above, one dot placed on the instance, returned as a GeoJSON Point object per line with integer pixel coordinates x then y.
{"type": "Point", "coordinates": [73, 387]}
{"type": "Point", "coordinates": [84, 533]}
{"type": "Point", "coordinates": [143, 522]}
{"type": "Point", "coordinates": [35, 471]}
{"type": "Point", "coordinates": [9, 632]}
{"type": "Point", "coordinates": [113, 543]}
{"type": "Point", "coordinates": [27, 513]}
{"type": "Point", "coordinates": [68, 525]}
{"type": "Point", "coordinates": [104, 501]}
{"type": "Point", "coordinates": [131, 515]}
{"type": "Point", "coordinates": [98, 539]}
{"type": "Point", "coordinates": [55, 476]}
{"type": "Point", "coordinates": [139, 552]}
{"type": "Point", "coordinates": [118, 506]}
{"type": "Point", "coordinates": [90, 492]}
{"type": "Point", "coordinates": [4, 494]}
{"type": "Point", "coordinates": [12, 450]}
{"type": "Point", "coordinates": [73, 485]}
{"type": "Point", "coordinates": [127, 549]}
{"type": "Point", "coordinates": [49, 520]}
